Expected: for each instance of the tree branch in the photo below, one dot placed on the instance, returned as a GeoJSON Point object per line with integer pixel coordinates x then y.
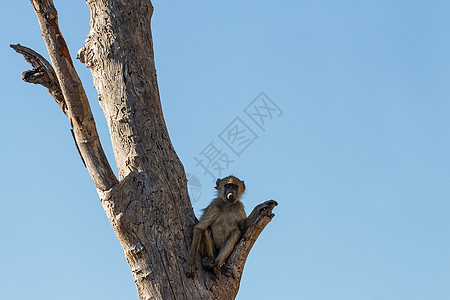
{"type": "Point", "coordinates": [150, 209]}
{"type": "Point", "coordinates": [65, 86]}
{"type": "Point", "coordinates": [42, 73]}
{"type": "Point", "coordinates": [254, 225]}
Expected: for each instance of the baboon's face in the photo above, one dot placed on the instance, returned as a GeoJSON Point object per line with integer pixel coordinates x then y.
{"type": "Point", "coordinates": [230, 189]}
{"type": "Point", "coordinates": [231, 192]}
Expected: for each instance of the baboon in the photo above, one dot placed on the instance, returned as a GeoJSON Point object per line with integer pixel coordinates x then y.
{"type": "Point", "coordinates": [220, 226]}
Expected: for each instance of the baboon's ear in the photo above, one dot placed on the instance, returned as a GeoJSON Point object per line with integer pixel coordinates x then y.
{"type": "Point", "coordinates": [217, 183]}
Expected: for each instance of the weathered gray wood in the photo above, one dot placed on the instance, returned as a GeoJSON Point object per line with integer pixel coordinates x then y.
{"type": "Point", "coordinates": [149, 207]}
{"type": "Point", "coordinates": [42, 73]}
{"type": "Point", "coordinates": [76, 102]}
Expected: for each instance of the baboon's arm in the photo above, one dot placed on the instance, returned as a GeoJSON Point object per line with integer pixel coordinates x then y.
{"type": "Point", "coordinates": [227, 248]}
{"type": "Point", "coordinates": [205, 221]}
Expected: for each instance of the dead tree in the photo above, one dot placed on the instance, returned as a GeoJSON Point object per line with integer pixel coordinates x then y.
{"type": "Point", "coordinates": [148, 205]}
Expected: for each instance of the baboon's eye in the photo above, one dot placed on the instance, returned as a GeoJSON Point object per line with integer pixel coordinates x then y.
{"type": "Point", "coordinates": [231, 185]}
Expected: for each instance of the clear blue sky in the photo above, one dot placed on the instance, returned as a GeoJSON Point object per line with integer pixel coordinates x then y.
{"type": "Point", "coordinates": [358, 160]}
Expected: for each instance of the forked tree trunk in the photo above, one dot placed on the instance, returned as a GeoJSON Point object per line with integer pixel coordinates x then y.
{"type": "Point", "coordinates": [148, 205]}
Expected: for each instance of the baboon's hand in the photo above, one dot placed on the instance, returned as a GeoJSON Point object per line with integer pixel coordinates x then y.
{"type": "Point", "coordinates": [208, 262]}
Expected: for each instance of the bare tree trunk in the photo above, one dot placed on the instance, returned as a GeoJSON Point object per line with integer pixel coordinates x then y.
{"type": "Point", "coordinates": [148, 206]}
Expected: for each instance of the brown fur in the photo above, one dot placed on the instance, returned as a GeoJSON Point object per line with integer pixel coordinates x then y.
{"type": "Point", "coordinates": [220, 226]}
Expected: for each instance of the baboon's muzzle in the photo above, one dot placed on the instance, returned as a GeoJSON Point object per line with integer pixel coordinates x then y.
{"type": "Point", "coordinates": [230, 195]}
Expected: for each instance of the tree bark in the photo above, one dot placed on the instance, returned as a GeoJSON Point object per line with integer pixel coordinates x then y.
{"type": "Point", "coordinates": [148, 206]}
